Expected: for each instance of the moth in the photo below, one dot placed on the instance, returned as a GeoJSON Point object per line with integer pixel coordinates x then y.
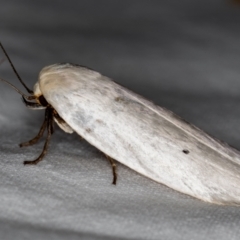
{"type": "Point", "coordinates": [134, 131]}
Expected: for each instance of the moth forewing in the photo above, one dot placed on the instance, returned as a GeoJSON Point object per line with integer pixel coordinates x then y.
{"type": "Point", "coordinates": [147, 138]}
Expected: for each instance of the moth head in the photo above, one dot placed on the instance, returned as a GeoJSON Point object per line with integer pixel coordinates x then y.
{"type": "Point", "coordinates": [36, 100]}
{"type": "Point", "coordinates": [40, 99]}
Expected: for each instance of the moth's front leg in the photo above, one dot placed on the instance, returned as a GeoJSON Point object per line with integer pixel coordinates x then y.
{"type": "Point", "coordinates": [39, 135]}
{"type": "Point", "coordinates": [49, 122]}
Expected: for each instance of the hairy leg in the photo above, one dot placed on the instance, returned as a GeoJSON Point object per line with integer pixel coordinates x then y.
{"type": "Point", "coordinates": [49, 120]}
{"type": "Point", "coordinates": [35, 139]}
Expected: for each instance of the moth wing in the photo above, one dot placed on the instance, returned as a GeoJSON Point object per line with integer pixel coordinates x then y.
{"type": "Point", "coordinates": [147, 138]}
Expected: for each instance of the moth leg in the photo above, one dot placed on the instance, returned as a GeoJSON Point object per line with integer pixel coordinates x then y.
{"type": "Point", "coordinates": [51, 126]}
{"type": "Point", "coordinates": [39, 135]}
{"type": "Point", "coordinates": [114, 169]}
{"type": "Point", "coordinates": [49, 130]}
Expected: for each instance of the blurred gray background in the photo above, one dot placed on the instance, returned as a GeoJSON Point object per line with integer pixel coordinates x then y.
{"type": "Point", "coordinates": [183, 55]}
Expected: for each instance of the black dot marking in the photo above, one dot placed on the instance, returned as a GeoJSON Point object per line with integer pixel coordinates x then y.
{"type": "Point", "coordinates": [185, 151]}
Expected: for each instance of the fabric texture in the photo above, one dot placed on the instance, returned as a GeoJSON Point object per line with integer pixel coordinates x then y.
{"type": "Point", "coordinates": [183, 55]}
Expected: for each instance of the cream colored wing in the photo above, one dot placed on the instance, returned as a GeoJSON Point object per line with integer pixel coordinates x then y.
{"type": "Point", "coordinates": [147, 138]}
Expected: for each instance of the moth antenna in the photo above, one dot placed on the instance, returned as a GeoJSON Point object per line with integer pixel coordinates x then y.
{"type": "Point", "coordinates": [15, 71]}
{"type": "Point", "coordinates": [17, 90]}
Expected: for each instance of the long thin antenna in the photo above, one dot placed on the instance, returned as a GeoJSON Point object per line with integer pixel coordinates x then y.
{"type": "Point", "coordinates": [15, 71]}
{"type": "Point", "coordinates": [17, 90]}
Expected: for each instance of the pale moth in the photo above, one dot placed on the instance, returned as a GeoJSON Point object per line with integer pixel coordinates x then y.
{"type": "Point", "coordinates": [132, 130]}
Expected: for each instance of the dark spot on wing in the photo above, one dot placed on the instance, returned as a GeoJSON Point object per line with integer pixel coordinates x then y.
{"type": "Point", "coordinates": [185, 151]}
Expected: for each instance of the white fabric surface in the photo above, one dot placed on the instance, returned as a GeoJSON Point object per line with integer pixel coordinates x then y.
{"type": "Point", "coordinates": [183, 55]}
